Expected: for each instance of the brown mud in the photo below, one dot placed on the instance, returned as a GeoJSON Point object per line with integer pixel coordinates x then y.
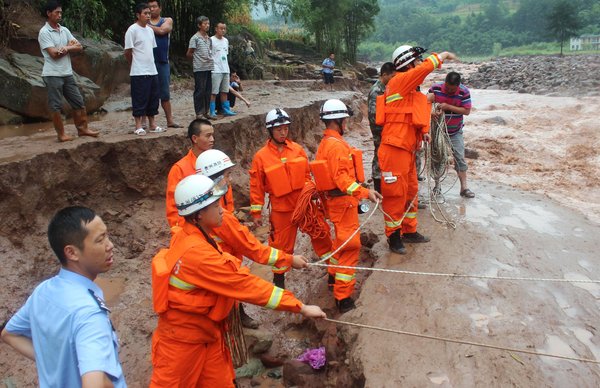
{"type": "Point", "coordinates": [536, 181]}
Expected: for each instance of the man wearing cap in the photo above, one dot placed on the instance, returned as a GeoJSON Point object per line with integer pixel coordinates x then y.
{"type": "Point", "coordinates": [404, 113]}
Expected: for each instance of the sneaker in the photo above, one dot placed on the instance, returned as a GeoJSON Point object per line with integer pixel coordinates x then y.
{"type": "Point", "coordinates": [279, 280]}
{"type": "Point", "coordinates": [345, 305]}
{"type": "Point", "coordinates": [415, 238]}
{"type": "Point", "coordinates": [140, 131]}
{"type": "Point", "coordinates": [467, 193]}
{"type": "Point", "coordinates": [395, 243]}
{"type": "Point", "coordinates": [158, 130]}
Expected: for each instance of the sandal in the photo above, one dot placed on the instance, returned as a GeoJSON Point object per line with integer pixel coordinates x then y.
{"type": "Point", "coordinates": [467, 193]}
{"type": "Point", "coordinates": [140, 131]}
{"type": "Point", "coordinates": [174, 125]}
{"type": "Point", "coordinates": [158, 130]}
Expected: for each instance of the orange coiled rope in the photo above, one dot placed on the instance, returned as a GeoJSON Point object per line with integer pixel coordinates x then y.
{"type": "Point", "coordinates": [308, 214]}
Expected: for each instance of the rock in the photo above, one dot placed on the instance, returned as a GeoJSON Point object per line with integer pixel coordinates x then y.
{"type": "Point", "coordinates": [372, 72]}
{"type": "Point", "coordinates": [275, 373]}
{"type": "Point", "coordinates": [25, 92]}
{"type": "Point", "coordinates": [270, 361]}
{"type": "Point", "coordinates": [369, 239]}
{"type": "Point", "coordinates": [330, 341]}
{"type": "Point", "coordinates": [252, 368]}
{"type": "Point", "coordinates": [258, 341]}
{"type": "Point", "coordinates": [256, 381]}
{"type": "Point", "coordinates": [471, 153]}
{"type": "Point", "coordinates": [296, 373]}
{"type": "Point", "coordinates": [496, 120]}
{"type": "Point", "coordinates": [9, 118]}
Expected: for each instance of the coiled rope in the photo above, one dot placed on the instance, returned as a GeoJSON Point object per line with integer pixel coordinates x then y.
{"type": "Point", "coordinates": [463, 342]}
{"type": "Point", "coordinates": [308, 214]}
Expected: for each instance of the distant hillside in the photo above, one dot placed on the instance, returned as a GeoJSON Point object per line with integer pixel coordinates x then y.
{"type": "Point", "coordinates": [468, 27]}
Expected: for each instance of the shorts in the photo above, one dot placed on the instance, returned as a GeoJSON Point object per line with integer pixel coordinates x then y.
{"type": "Point", "coordinates": [144, 95]}
{"type": "Point", "coordinates": [220, 83]}
{"type": "Point", "coordinates": [328, 78]}
{"type": "Point", "coordinates": [458, 150]}
{"type": "Point", "coordinates": [164, 80]}
{"type": "Point", "coordinates": [59, 87]}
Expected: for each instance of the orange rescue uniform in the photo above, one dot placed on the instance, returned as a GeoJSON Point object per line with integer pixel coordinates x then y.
{"type": "Point", "coordinates": [405, 115]}
{"type": "Point", "coordinates": [282, 174]}
{"type": "Point", "coordinates": [187, 346]}
{"type": "Point", "coordinates": [186, 166]}
{"type": "Point", "coordinates": [343, 209]}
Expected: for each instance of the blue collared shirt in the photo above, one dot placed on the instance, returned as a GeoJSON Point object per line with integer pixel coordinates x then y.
{"type": "Point", "coordinates": [70, 329]}
{"type": "Point", "coordinates": [328, 62]}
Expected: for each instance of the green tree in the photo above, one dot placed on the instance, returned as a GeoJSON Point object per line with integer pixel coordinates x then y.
{"type": "Point", "coordinates": [563, 21]}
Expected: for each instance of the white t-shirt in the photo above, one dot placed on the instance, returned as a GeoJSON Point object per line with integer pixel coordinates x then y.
{"type": "Point", "coordinates": [220, 49]}
{"type": "Point", "coordinates": [141, 41]}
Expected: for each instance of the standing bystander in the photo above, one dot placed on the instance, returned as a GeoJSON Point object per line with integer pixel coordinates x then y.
{"type": "Point", "coordinates": [56, 43]}
{"type": "Point", "coordinates": [220, 74]}
{"type": "Point", "coordinates": [162, 28]}
{"type": "Point", "coordinates": [328, 66]}
{"type": "Point", "coordinates": [454, 101]}
{"type": "Point", "coordinates": [139, 45]}
{"type": "Point", "coordinates": [65, 325]}
{"type": "Point", "coordinates": [200, 51]}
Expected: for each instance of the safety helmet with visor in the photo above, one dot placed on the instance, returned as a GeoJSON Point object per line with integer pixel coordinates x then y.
{"type": "Point", "coordinates": [277, 117]}
{"type": "Point", "coordinates": [195, 192]}
{"type": "Point", "coordinates": [406, 54]}
{"type": "Point", "coordinates": [213, 164]}
{"type": "Point", "coordinates": [335, 109]}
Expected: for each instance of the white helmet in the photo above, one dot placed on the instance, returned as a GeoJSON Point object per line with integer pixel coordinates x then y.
{"type": "Point", "coordinates": [405, 54]}
{"type": "Point", "coordinates": [193, 193]}
{"type": "Point", "coordinates": [277, 117]}
{"type": "Point", "coordinates": [334, 109]}
{"type": "Point", "coordinates": [212, 162]}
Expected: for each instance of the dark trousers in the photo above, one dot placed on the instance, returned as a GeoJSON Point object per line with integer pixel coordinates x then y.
{"type": "Point", "coordinates": [144, 95]}
{"type": "Point", "coordinates": [202, 91]}
{"type": "Point", "coordinates": [63, 86]}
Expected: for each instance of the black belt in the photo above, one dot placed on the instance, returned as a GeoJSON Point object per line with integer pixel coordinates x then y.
{"type": "Point", "coordinates": [335, 193]}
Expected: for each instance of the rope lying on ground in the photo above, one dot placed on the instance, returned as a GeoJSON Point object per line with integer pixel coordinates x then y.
{"type": "Point", "coordinates": [308, 215]}
{"type": "Point", "coordinates": [463, 342]}
{"type": "Point", "coordinates": [455, 275]}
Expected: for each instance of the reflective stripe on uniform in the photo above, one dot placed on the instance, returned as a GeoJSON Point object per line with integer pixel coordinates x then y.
{"type": "Point", "coordinates": [393, 224]}
{"type": "Point", "coordinates": [283, 160]}
{"type": "Point", "coordinates": [343, 277]}
{"type": "Point", "coordinates": [434, 60]}
{"type": "Point", "coordinates": [352, 188]}
{"type": "Point", "coordinates": [333, 260]}
{"type": "Point", "coordinates": [393, 97]}
{"type": "Point", "coordinates": [411, 215]}
{"type": "Point", "coordinates": [178, 283]}
{"type": "Point", "coordinates": [275, 298]}
{"type": "Point", "coordinates": [273, 256]}
{"type": "Point", "coordinates": [325, 255]}
{"type": "Point", "coordinates": [217, 238]}
{"type": "Point", "coordinates": [255, 208]}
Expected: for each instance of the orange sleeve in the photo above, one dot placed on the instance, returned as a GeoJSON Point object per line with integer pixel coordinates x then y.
{"type": "Point", "coordinates": [174, 177]}
{"type": "Point", "coordinates": [341, 168]}
{"type": "Point", "coordinates": [405, 82]}
{"type": "Point", "coordinates": [227, 200]}
{"type": "Point", "coordinates": [257, 186]}
{"type": "Point", "coordinates": [206, 268]}
{"type": "Point", "coordinates": [243, 242]}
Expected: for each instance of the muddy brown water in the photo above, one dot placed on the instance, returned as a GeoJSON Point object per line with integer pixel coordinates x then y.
{"type": "Point", "coordinates": [535, 214]}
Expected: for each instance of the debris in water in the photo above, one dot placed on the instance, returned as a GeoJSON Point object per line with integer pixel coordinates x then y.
{"type": "Point", "coordinates": [314, 357]}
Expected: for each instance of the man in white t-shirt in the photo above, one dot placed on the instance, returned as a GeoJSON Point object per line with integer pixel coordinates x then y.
{"type": "Point", "coordinates": [139, 51]}
{"type": "Point", "coordinates": [220, 73]}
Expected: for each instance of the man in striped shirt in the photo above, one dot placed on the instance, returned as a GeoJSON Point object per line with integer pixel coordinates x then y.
{"type": "Point", "coordinates": [454, 100]}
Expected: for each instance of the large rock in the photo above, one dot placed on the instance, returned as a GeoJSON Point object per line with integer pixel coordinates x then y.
{"type": "Point", "coordinates": [10, 118]}
{"type": "Point", "coordinates": [258, 341]}
{"type": "Point", "coordinates": [24, 90]}
{"type": "Point", "coordinates": [297, 373]}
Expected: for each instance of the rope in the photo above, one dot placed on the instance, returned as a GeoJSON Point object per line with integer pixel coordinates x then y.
{"type": "Point", "coordinates": [463, 342]}
{"type": "Point", "coordinates": [308, 215]}
{"type": "Point", "coordinates": [455, 275]}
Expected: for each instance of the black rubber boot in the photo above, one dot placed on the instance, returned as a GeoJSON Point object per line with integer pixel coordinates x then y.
{"type": "Point", "coordinates": [415, 238]}
{"type": "Point", "coordinates": [345, 305]}
{"type": "Point", "coordinates": [330, 282]}
{"type": "Point", "coordinates": [377, 184]}
{"type": "Point", "coordinates": [279, 280]}
{"type": "Point", "coordinates": [247, 321]}
{"type": "Point", "coordinates": [395, 243]}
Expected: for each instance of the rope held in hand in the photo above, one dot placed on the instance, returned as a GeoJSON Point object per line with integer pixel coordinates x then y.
{"type": "Point", "coordinates": [308, 214]}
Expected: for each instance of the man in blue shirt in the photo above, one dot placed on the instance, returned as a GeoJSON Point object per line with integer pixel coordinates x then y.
{"type": "Point", "coordinates": [328, 66]}
{"type": "Point", "coordinates": [64, 325]}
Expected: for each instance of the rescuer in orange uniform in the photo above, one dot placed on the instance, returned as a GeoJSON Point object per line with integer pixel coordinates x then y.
{"type": "Point", "coordinates": [232, 236]}
{"type": "Point", "coordinates": [195, 286]}
{"type": "Point", "coordinates": [201, 134]}
{"type": "Point", "coordinates": [280, 168]}
{"type": "Point", "coordinates": [404, 113]}
{"type": "Point", "coordinates": [338, 172]}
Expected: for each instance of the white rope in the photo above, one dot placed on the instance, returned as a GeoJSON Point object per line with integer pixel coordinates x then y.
{"type": "Point", "coordinates": [464, 342]}
{"type": "Point", "coordinates": [456, 275]}
{"type": "Point", "coordinates": [352, 235]}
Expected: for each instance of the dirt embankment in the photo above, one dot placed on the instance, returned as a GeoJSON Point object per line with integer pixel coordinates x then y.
{"type": "Point", "coordinates": [571, 75]}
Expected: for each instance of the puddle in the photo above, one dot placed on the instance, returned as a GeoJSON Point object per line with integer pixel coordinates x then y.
{"type": "Point", "coordinates": [585, 337]}
{"type": "Point", "coordinates": [439, 378]}
{"type": "Point", "coordinates": [592, 288]}
{"type": "Point", "coordinates": [555, 345]}
{"type": "Point", "coordinates": [112, 288]}
{"type": "Point", "coordinates": [482, 321]}
{"type": "Point", "coordinates": [585, 264]}
{"type": "Point", "coordinates": [562, 302]}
